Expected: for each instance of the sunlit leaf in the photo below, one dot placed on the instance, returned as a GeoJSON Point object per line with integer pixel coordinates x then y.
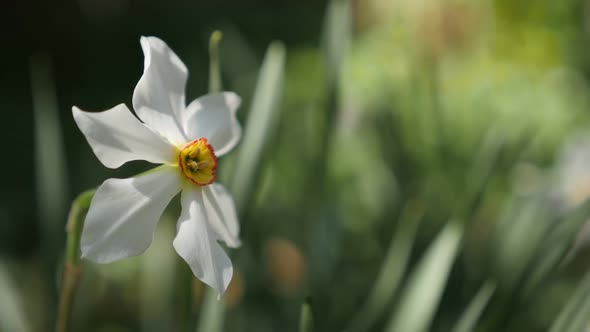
{"type": "Point", "coordinates": [260, 125]}
{"type": "Point", "coordinates": [473, 312]}
{"type": "Point", "coordinates": [574, 317]}
{"type": "Point", "coordinates": [425, 286]}
{"type": "Point", "coordinates": [392, 270]}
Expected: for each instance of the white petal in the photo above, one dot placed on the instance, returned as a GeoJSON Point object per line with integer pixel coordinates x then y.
{"type": "Point", "coordinates": [116, 137]}
{"type": "Point", "coordinates": [158, 98]}
{"type": "Point", "coordinates": [222, 214]}
{"type": "Point", "coordinates": [213, 116]}
{"type": "Point", "coordinates": [124, 213]}
{"type": "Point", "coordinates": [197, 243]}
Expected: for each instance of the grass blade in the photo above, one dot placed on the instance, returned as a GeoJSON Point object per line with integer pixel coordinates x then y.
{"type": "Point", "coordinates": [392, 270]}
{"type": "Point", "coordinates": [262, 120]}
{"type": "Point", "coordinates": [575, 315]}
{"type": "Point", "coordinates": [336, 36]}
{"type": "Point", "coordinates": [422, 295]}
{"type": "Point", "coordinates": [12, 314]}
{"type": "Point", "coordinates": [473, 312]}
{"type": "Point", "coordinates": [50, 168]}
{"type": "Point", "coordinates": [558, 248]}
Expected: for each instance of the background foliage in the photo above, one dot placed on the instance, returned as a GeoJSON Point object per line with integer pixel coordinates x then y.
{"type": "Point", "coordinates": [406, 165]}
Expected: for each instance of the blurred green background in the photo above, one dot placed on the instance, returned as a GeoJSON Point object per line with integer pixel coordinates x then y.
{"type": "Point", "coordinates": [406, 165]}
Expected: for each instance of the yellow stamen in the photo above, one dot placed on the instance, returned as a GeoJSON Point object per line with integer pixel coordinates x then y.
{"type": "Point", "coordinates": [194, 154]}
{"type": "Point", "coordinates": [192, 165]}
{"type": "Point", "coordinates": [202, 164]}
{"type": "Point", "coordinates": [198, 162]}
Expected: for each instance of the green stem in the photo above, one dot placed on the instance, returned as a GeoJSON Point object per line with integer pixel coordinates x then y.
{"type": "Point", "coordinates": [306, 318]}
{"type": "Point", "coordinates": [214, 66]}
{"type": "Point", "coordinates": [72, 271]}
{"type": "Point", "coordinates": [184, 316]}
{"type": "Point", "coordinates": [212, 310]}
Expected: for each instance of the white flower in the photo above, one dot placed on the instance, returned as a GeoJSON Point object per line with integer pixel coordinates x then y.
{"type": "Point", "coordinates": [572, 171]}
{"type": "Point", "coordinates": [572, 183]}
{"type": "Point", "coordinates": [186, 140]}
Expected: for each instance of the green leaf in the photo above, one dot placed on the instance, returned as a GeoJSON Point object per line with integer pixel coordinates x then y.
{"type": "Point", "coordinates": [473, 312]}
{"type": "Point", "coordinates": [262, 121]}
{"type": "Point", "coordinates": [482, 170]}
{"type": "Point", "coordinates": [426, 284]}
{"type": "Point", "coordinates": [393, 268]}
{"type": "Point", "coordinates": [575, 316]}
{"type": "Point", "coordinates": [336, 36]}
{"type": "Point", "coordinates": [525, 218]}
{"type": "Point", "coordinates": [13, 316]}
{"type": "Point", "coordinates": [49, 162]}
{"type": "Point", "coordinates": [558, 247]}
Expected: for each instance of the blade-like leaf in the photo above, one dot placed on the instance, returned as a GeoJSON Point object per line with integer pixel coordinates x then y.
{"type": "Point", "coordinates": [426, 284]}
{"type": "Point", "coordinates": [528, 218]}
{"type": "Point", "coordinates": [50, 168]}
{"type": "Point", "coordinates": [392, 270]}
{"type": "Point", "coordinates": [12, 314]}
{"type": "Point", "coordinates": [559, 247]}
{"type": "Point", "coordinates": [262, 121]}
{"type": "Point", "coordinates": [575, 316]}
{"type": "Point", "coordinates": [473, 312]}
{"type": "Point", "coordinates": [336, 36]}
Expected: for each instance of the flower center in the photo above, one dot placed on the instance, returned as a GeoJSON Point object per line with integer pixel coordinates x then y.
{"type": "Point", "coordinates": [198, 162]}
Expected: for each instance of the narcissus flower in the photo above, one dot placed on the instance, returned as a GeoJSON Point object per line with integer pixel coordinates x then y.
{"type": "Point", "coordinates": [186, 140]}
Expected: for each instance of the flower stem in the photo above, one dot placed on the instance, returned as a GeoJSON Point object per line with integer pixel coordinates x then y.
{"type": "Point", "coordinates": [72, 270]}
{"type": "Point", "coordinates": [212, 310]}
{"type": "Point", "coordinates": [214, 65]}
{"type": "Point", "coordinates": [306, 317]}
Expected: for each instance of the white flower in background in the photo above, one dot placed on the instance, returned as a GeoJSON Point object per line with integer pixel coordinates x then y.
{"type": "Point", "coordinates": [573, 181]}
{"type": "Point", "coordinates": [573, 171]}
{"type": "Point", "coordinates": [187, 140]}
